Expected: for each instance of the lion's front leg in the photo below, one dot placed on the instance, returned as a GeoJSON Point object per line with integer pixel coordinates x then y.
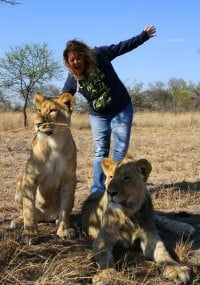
{"type": "Point", "coordinates": [170, 269]}
{"type": "Point", "coordinates": [103, 247]}
{"type": "Point", "coordinates": [19, 221]}
{"type": "Point", "coordinates": [67, 202]}
{"type": "Point", "coordinates": [29, 214]}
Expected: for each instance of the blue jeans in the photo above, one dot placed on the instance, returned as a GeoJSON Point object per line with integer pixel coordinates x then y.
{"type": "Point", "coordinates": [103, 126]}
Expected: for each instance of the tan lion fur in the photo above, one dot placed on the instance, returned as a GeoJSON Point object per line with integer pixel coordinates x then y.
{"type": "Point", "coordinates": [124, 213]}
{"type": "Point", "coordinates": [45, 190]}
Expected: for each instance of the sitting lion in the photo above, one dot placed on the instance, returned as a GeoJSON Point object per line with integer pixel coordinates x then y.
{"type": "Point", "coordinates": [45, 191]}
{"type": "Point", "coordinates": [123, 214]}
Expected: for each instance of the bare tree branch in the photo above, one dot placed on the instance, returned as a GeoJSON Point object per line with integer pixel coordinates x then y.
{"type": "Point", "coordinates": [12, 2]}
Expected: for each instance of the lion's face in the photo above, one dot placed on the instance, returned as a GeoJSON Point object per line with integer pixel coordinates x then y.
{"type": "Point", "coordinates": [53, 112]}
{"type": "Point", "coordinates": [126, 182]}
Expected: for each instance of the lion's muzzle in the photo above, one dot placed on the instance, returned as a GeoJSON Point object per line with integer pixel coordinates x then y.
{"type": "Point", "coordinates": [45, 128]}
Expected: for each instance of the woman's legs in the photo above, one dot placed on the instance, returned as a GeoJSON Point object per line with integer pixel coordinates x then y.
{"type": "Point", "coordinates": [121, 130]}
{"type": "Point", "coordinates": [102, 126]}
{"type": "Point", "coordinates": [101, 130]}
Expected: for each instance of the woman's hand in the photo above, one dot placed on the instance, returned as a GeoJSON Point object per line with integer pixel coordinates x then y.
{"type": "Point", "coordinates": [151, 31]}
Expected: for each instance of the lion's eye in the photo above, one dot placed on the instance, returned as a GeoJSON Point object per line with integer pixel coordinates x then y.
{"type": "Point", "coordinates": [52, 111]}
{"type": "Point", "coordinates": [38, 110]}
{"type": "Point", "coordinates": [126, 178]}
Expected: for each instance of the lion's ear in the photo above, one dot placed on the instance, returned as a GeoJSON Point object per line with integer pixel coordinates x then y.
{"type": "Point", "coordinates": [144, 167]}
{"type": "Point", "coordinates": [68, 100]}
{"type": "Point", "coordinates": [107, 165]}
{"type": "Point", "coordinates": [38, 98]}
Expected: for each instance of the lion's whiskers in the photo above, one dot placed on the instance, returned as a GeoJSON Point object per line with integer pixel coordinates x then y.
{"type": "Point", "coordinates": [62, 126]}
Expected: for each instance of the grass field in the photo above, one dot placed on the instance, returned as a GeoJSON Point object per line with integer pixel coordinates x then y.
{"type": "Point", "coordinates": [170, 142]}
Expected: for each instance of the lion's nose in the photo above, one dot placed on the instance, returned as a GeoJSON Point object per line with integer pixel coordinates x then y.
{"type": "Point", "coordinates": [38, 124]}
{"type": "Point", "coordinates": [112, 193]}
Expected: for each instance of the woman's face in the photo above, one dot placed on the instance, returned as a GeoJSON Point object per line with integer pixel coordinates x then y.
{"type": "Point", "coordinates": [76, 63]}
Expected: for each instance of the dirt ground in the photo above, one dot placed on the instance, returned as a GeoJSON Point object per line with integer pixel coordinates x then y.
{"type": "Point", "coordinates": [174, 184]}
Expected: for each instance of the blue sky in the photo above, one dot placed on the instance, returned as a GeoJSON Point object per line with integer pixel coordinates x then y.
{"type": "Point", "coordinates": [172, 53]}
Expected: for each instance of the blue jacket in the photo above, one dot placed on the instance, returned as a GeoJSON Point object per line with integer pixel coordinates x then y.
{"type": "Point", "coordinates": [106, 94]}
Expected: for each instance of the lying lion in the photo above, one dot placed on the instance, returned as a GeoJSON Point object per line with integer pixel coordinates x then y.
{"type": "Point", "coordinates": [123, 214]}
{"type": "Point", "coordinates": [45, 190]}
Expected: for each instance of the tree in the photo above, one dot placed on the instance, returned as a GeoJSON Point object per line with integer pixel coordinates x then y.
{"type": "Point", "coordinates": [27, 66]}
{"type": "Point", "coordinates": [180, 94]}
{"type": "Point", "coordinates": [135, 92]}
{"type": "Point", "coordinates": [81, 103]}
{"type": "Point", "coordinates": [195, 94]}
{"type": "Point", "coordinates": [4, 104]}
{"type": "Point", "coordinates": [48, 90]}
{"type": "Point", "coordinates": [13, 2]}
{"type": "Point", "coordinates": [159, 96]}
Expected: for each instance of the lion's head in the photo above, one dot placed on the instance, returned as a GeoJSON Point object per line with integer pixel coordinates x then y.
{"type": "Point", "coordinates": [126, 182]}
{"type": "Point", "coordinates": [53, 112]}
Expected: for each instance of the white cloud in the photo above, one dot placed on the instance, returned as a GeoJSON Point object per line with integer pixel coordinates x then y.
{"type": "Point", "coordinates": [177, 40]}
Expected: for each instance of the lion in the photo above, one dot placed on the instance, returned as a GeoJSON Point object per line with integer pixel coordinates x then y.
{"type": "Point", "coordinates": [123, 214]}
{"type": "Point", "coordinates": [45, 191]}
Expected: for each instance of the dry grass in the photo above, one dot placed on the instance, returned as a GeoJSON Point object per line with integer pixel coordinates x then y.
{"type": "Point", "coordinates": [170, 142]}
{"type": "Point", "coordinates": [183, 249]}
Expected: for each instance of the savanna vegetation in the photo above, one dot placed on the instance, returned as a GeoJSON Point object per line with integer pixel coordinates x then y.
{"type": "Point", "coordinates": [170, 141]}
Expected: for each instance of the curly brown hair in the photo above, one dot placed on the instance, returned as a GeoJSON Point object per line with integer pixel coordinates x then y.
{"type": "Point", "coordinates": [88, 53]}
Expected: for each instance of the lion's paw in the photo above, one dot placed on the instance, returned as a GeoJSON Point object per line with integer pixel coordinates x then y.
{"type": "Point", "coordinates": [29, 239]}
{"type": "Point", "coordinates": [104, 277]}
{"type": "Point", "coordinates": [30, 235]}
{"type": "Point", "coordinates": [66, 233]}
{"type": "Point", "coordinates": [178, 274]}
{"type": "Point", "coordinates": [17, 223]}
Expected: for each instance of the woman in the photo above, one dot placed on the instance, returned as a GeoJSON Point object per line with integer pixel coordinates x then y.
{"type": "Point", "coordinates": [110, 109]}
